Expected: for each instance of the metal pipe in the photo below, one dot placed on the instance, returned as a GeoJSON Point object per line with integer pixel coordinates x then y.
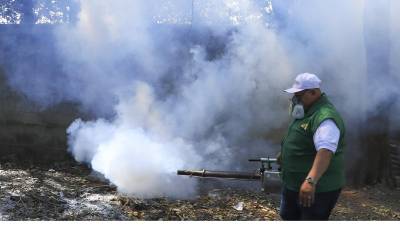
{"type": "Point", "coordinates": [221, 174]}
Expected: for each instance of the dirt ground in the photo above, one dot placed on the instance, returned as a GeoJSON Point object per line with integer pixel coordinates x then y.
{"type": "Point", "coordinates": [68, 191]}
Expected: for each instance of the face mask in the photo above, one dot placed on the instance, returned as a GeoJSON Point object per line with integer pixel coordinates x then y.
{"type": "Point", "coordinates": [296, 108]}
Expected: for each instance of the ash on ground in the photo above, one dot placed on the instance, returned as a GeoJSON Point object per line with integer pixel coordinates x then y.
{"type": "Point", "coordinates": [68, 191]}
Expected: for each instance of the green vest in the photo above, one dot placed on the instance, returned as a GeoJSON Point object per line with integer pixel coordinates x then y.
{"type": "Point", "coordinates": [298, 150]}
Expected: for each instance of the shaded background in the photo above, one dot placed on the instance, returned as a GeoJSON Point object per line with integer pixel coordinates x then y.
{"type": "Point", "coordinates": [54, 69]}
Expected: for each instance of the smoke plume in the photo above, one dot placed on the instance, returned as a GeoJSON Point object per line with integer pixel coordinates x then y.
{"type": "Point", "coordinates": [198, 84]}
{"type": "Point", "coordinates": [175, 105]}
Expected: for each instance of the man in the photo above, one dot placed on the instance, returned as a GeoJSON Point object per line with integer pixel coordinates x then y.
{"type": "Point", "coordinates": [312, 153]}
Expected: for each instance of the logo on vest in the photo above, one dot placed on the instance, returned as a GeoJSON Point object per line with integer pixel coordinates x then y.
{"type": "Point", "coordinates": [304, 126]}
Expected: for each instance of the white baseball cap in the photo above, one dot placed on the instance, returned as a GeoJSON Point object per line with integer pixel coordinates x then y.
{"type": "Point", "coordinates": [304, 81]}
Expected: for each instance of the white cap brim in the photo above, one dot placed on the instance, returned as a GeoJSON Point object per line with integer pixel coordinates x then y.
{"type": "Point", "coordinates": [293, 90]}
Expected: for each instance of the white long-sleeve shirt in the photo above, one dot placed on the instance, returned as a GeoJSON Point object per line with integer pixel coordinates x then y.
{"type": "Point", "coordinates": [327, 136]}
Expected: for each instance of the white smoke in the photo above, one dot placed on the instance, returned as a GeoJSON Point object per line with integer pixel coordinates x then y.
{"type": "Point", "coordinates": [178, 87]}
{"type": "Point", "coordinates": [394, 58]}
{"type": "Point", "coordinates": [218, 107]}
{"type": "Point", "coordinates": [352, 46]}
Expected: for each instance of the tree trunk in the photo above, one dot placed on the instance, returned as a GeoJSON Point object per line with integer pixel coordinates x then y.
{"type": "Point", "coordinates": [28, 16]}
{"type": "Point", "coordinates": [375, 128]}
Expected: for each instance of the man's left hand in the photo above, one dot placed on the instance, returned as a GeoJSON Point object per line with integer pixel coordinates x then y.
{"type": "Point", "coordinates": [306, 195]}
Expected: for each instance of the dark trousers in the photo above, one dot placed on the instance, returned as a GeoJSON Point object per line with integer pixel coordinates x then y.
{"type": "Point", "coordinates": [320, 210]}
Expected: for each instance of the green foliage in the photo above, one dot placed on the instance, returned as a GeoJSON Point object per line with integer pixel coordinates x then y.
{"type": "Point", "coordinates": [38, 11]}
